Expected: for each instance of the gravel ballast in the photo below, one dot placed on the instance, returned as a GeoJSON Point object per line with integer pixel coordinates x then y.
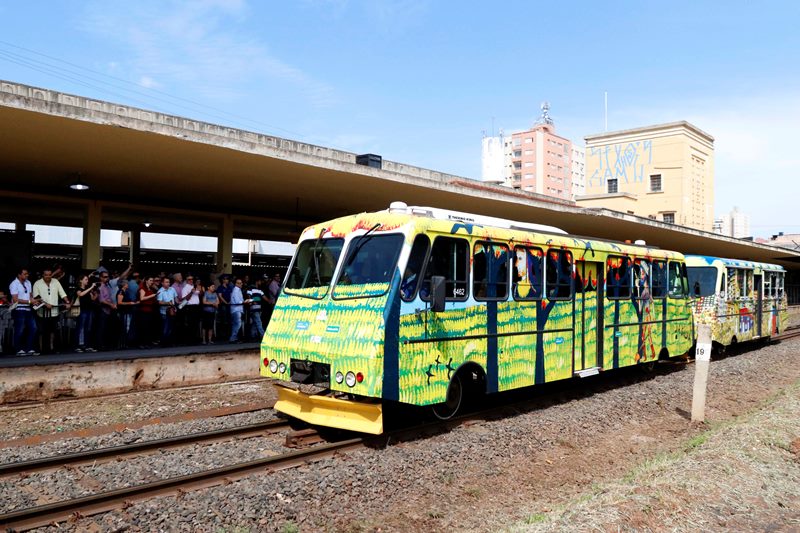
{"type": "Point", "coordinates": [486, 476]}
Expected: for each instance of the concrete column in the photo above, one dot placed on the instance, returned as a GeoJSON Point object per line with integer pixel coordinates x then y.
{"type": "Point", "coordinates": [92, 222]}
{"type": "Point", "coordinates": [135, 245]}
{"type": "Point", "coordinates": [225, 245]}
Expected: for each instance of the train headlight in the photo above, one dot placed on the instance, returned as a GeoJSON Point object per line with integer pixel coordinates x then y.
{"type": "Point", "coordinates": [273, 366]}
{"type": "Point", "coordinates": [282, 368]}
{"type": "Point", "coordinates": [339, 377]}
{"type": "Point", "coordinates": [350, 379]}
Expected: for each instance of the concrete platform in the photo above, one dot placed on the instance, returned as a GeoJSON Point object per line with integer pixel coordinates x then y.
{"type": "Point", "coordinates": [76, 375]}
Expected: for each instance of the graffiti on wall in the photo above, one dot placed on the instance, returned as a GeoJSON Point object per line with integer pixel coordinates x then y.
{"type": "Point", "coordinates": [624, 161]}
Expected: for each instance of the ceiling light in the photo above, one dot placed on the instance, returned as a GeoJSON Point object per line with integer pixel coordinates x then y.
{"type": "Point", "coordinates": [146, 223]}
{"type": "Point", "coordinates": [78, 185]}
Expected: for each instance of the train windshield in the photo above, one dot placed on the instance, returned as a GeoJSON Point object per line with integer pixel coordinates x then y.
{"type": "Point", "coordinates": [368, 266]}
{"type": "Point", "coordinates": [313, 266]}
{"type": "Point", "coordinates": [702, 281]}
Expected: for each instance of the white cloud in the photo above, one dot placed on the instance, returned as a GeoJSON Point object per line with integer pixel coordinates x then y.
{"type": "Point", "coordinates": [201, 45]}
{"type": "Point", "coordinates": [148, 82]}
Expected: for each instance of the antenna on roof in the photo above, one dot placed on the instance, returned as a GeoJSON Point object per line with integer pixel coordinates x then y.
{"type": "Point", "coordinates": [545, 118]}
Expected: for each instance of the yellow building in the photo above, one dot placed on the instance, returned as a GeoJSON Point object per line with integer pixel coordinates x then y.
{"type": "Point", "coordinates": [664, 172]}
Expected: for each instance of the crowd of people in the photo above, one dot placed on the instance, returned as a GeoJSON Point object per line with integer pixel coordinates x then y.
{"type": "Point", "coordinates": [111, 310]}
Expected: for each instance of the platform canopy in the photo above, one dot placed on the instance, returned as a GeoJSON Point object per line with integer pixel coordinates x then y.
{"type": "Point", "coordinates": [186, 176]}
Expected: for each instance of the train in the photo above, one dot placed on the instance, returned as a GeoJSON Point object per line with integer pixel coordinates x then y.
{"type": "Point", "coordinates": [432, 308]}
{"type": "Point", "coordinates": [741, 300]}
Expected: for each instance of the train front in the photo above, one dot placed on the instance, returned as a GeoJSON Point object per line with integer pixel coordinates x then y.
{"type": "Point", "coordinates": [325, 341]}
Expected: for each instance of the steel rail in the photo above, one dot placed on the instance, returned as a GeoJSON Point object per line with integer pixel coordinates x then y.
{"type": "Point", "coordinates": [107, 501]}
{"type": "Point", "coordinates": [91, 456]}
{"type": "Point", "coordinates": [43, 515]}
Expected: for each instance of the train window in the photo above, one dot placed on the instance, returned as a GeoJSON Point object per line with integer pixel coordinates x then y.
{"type": "Point", "coordinates": [528, 280]}
{"type": "Point", "coordinates": [641, 279]}
{"type": "Point", "coordinates": [449, 258]}
{"type": "Point", "coordinates": [678, 284]}
{"type": "Point", "coordinates": [368, 266]}
{"type": "Point", "coordinates": [723, 288]}
{"type": "Point", "coordinates": [702, 281]}
{"type": "Point", "coordinates": [558, 274]}
{"type": "Point", "coordinates": [780, 284]}
{"type": "Point", "coordinates": [490, 271]}
{"type": "Point", "coordinates": [768, 277]}
{"type": "Point", "coordinates": [313, 266]}
{"type": "Point", "coordinates": [658, 279]}
{"type": "Point", "coordinates": [413, 272]}
{"type": "Point", "coordinates": [619, 278]}
{"type": "Point", "coordinates": [741, 283]}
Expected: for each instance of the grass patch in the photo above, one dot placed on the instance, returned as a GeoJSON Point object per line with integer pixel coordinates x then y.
{"type": "Point", "coordinates": [290, 527]}
{"type": "Point", "coordinates": [472, 491]}
{"type": "Point", "coordinates": [536, 518]}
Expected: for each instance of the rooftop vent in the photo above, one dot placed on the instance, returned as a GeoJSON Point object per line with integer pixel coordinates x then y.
{"type": "Point", "coordinates": [369, 160]}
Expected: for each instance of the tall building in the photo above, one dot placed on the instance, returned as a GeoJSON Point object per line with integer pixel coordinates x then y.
{"type": "Point", "coordinates": [536, 160]}
{"type": "Point", "coordinates": [493, 159]}
{"type": "Point", "coordinates": [664, 172]}
{"type": "Point", "coordinates": [734, 224]}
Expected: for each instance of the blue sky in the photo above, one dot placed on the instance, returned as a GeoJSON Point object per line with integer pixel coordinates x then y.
{"type": "Point", "coordinates": [419, 81]}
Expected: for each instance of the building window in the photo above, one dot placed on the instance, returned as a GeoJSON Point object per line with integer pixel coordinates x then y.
{"type": "Point", "coordinates": [528, 152]}
{"type": "Point", "coordinates": [528, 163]}
{"type": "Point", "coordinates": [517, 165]}
{"type": "Point", "coordinates": [517, 177]}
{"type": "Point", "coordinates": [528, 140]}
{"type": "Point", "coordinates": [612, 186]}
{"type": "Point", "coordinates": [517, 153]}
{"type": "Point", "coordinates": [655, 183]}
{"type": "Point", "coordinates": [669, 218]}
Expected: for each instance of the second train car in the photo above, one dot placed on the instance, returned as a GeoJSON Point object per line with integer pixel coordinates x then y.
{"type": "Point", "coordinates": [741, 300]}
{"type": "Point", "coordinates": [423, 306]}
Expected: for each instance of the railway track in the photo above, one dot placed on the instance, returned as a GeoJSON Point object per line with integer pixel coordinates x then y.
{"type": "Point", "coordinates": [789, 333]}
{"type": "Point", "coordinates": [139, 448]}
{"type": "Point", "coordinates": [24, 519]}
{"type": "Point", "coordinates": [43, 515]}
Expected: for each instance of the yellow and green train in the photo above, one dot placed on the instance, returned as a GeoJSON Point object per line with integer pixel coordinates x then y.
{"type": "Point", "coordinates": [740, 300]}
{"type": "Point", "coordinates": [422, 306]}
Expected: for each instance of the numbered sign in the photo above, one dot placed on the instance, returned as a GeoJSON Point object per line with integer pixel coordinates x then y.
{"type": "Point", "coordinates": [703, 352]}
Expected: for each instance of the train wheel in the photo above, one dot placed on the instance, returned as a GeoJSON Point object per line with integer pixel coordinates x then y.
{"type": "Point", "coordinates": [647, 367]}
{"type": "Point", "coordinates": [452, 403]}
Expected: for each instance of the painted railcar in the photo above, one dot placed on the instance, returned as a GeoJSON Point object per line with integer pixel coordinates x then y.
{"type": "Point", "coordinates": [741, 300]}
{"type": "Point", "coordinates": [421, 306]}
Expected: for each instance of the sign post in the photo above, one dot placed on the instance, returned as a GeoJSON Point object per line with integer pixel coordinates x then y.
{"type": "Point", "coordinates": [702, 362]}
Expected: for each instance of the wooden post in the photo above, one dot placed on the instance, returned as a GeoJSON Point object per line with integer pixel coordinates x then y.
{"type": "Point", "coordinates": [701, 364]}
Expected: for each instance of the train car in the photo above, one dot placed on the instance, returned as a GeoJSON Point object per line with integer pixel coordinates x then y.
{"type": "Point", "coordinates": [421, 306]}
{"type": "Point", "coordinates": [741, 300]}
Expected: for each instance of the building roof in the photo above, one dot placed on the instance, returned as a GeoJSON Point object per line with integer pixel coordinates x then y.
{"type": "Point", "coordinates": [682, 124]}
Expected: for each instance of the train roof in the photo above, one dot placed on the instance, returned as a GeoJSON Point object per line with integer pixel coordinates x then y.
{"type": "Point", "coordinates": [458, 223]}
{"type": "Point", "coordinates": [707, 260]}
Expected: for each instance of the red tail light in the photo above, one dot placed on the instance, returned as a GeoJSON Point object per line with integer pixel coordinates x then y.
{"type": "Point", "coordinates": [359, 377]}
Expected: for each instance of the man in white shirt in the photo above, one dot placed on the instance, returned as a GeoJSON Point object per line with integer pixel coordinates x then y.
{"type": "Point", "coordinates": [237, 308]}
{"type": "Point", "coordinates": [50, 292]}
{"type": "Point", "coordinates": [22, 300]}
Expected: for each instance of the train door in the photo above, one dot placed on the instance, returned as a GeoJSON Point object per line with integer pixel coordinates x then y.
{"type": "Point", "coordinates": [758, 299]}
{"type": "Point", "coordinates": [588, 317]}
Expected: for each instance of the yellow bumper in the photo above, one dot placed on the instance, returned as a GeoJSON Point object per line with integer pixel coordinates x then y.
{"type": "Point", "coordinates": [331, 412]}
